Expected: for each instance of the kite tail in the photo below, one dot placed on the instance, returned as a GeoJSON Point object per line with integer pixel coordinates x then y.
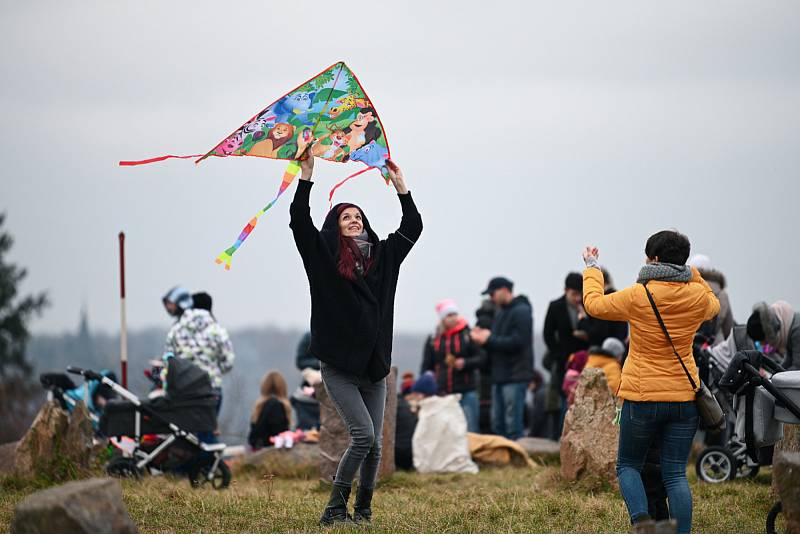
{"type": "Point", "coordinates": [226, 256]}
{"type": "Point", "coordinates": [153, 160]}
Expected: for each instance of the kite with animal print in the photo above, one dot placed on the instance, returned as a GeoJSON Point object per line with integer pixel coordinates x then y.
{"type": "Point", "coordinates": [329, 116]}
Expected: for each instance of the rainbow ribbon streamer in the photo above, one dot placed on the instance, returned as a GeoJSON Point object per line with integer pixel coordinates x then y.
{"type": "Point", "coordinates": [288, 177]}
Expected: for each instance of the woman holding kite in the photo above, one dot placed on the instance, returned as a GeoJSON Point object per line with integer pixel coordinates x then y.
{"type": "Point", "coordinates": [353, 279]}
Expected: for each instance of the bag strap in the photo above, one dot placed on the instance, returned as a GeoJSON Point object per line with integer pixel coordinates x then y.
{"type": "Point", "coordinates": [664, 329]}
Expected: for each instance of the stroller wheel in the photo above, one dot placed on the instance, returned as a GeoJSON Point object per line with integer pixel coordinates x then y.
{"type": "Point", "coordinates": [222, 476]}
{"type": "Point", "coordinates": [123, 467]}
{"type": "Point", "coordinates": [715, 465]}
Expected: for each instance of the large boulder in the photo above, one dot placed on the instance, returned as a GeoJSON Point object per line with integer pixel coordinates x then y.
{"type": "Point", "coordinates": [334, 438]}
{"type": "Point", "coordinates": [92, 506]}
{"type": "Point", "coordinates": [541, 449]}
{"type": "Point", "coordinates": [301, 460]}
{"type": "Point", "coordinates": [8, 458]}
{"type": "Point", "coordinates": [590, 437]}
{"type": "Point", "coordinates": [790, 442]}
{"type": "Point", "coordinates": [389, 425]}
{"type": "Point", "coordinates": [78, 444]}
{"type": "Point", "coordinates": [55, 439]}
{"type": "Point", "coordinates": [786, 478]}
{"type": "Point", "coordinates": [40, 442]}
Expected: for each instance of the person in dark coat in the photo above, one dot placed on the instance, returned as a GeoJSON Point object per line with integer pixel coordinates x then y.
{"type": "Point", "coordinates": [353, 277]}
{"type": "Point", "coordinates": [304, 402]}
{"type": "Point", "coordinates": [303, 359]}
{"type": "Point", "coordinates": [563, 336]}
{"type": "Point", "coordinates": [454, 358]}
{"type": "Point", "coordinates": [405, 424]}
{"type": "Point", "coordinates": [484, 316]}
{"type": "Point", "coordinates": [510, 347]}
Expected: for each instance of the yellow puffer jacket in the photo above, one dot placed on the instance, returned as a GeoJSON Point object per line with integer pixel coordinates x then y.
{"type": "Point", "coordinates": [610, 367]}
{"type": "Point", "coordinates": [652, 373]}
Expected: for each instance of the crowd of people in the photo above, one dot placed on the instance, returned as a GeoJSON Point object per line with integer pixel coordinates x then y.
{"type": "Point", "coordinates": [635, 335]}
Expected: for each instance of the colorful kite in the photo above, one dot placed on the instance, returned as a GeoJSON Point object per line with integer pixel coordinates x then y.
{"type": "Point", "coordinates": [331, 108]}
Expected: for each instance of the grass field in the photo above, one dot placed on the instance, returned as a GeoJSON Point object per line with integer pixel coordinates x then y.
{"type": "Point", "coordinates": [496, 500]}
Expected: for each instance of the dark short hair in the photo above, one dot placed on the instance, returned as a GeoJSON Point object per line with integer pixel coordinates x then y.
{"type": "Point", "coordinates": [668, 246]}
{"type": "Point", "coordinates": [202, 301]}
{"type": "Point", "coordinates": [755, 330]}
{"type": "Point", "coordinates": [574, 281]}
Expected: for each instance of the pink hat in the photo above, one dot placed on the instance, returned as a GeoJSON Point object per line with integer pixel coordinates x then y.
{"type": "Point", "coordinates": [446, 307]}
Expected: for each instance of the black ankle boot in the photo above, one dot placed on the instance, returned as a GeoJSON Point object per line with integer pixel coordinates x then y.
{"type": "Point", "coordinates": [362, 512]}
{"type": "Point", "coordinates": [643, 525]}
{"type": "Point", "coordinates": [336, 510]}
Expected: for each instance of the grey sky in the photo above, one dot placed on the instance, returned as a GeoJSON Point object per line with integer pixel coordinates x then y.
{"type": "Point", "coordinates": [525, 130]}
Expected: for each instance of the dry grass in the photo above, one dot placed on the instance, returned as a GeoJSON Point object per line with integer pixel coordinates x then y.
{"type": "Point", "coordinates": [496, 500]}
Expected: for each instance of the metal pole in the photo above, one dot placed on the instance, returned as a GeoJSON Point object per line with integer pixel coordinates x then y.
{"type": "Point", "coordinates": [123, 331]}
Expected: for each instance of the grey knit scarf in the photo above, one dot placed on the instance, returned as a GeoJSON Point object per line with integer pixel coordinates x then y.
{"type": "Point", "coordinates": [365, 247]}
{"type": "Point", "coordinates": [364, 244]}
{"type": "Point", "coordinates": [664, 272]}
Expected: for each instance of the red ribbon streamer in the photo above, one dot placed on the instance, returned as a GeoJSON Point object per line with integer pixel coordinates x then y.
{"type": "Point", "coordinates": [337, 186]}
{"type": "Point", "coordinates": [153, 160]}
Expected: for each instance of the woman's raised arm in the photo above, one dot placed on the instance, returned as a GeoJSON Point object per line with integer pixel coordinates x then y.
{"type": "Point", "coordinates": [410, 228]}
{"type": "Point", "coordinates": [300, 212]}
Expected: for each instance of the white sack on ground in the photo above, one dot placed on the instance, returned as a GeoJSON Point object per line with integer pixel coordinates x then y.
{"type": "Point", "coordinates": [440, 440]}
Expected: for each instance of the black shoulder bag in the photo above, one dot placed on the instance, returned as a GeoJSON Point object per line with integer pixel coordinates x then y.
{"type": "Point", "coordinates": [708, 407]}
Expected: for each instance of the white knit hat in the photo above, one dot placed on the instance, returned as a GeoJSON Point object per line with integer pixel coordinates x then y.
{"type": "Point", "coordinates": [614, 346]}
{"type": "Point", "coordinates": [701, 262]}
{"type": "Point", "coordinates": [446, 307]}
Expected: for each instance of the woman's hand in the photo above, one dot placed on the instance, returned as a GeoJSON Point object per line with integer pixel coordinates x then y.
{"type": "Point", "coordinates": [396, 176]}
{"type": "Point", "coordinates": [307, 166]}
{"type": "Point", "coordinates": [590, 255]}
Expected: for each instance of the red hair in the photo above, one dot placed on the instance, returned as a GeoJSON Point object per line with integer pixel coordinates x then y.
{"type": "Point", "coordinates": [349, 254]}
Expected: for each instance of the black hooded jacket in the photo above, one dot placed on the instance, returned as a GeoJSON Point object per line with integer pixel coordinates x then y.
{"type": "Point", "coordinates": [352, 322]}
{"type": "Point", "coordinates": [510, 346]}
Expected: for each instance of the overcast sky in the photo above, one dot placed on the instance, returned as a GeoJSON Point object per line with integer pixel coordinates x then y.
{"type": "Point", "coordinates": [525, 129]}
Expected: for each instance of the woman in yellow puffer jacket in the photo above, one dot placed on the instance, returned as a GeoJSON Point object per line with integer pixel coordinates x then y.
{"type": "Point", "coordinates": [658, 397]}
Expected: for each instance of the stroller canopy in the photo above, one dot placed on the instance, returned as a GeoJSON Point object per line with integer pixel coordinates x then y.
{"type": "Point", "coordinates": [189, 403]}
{"type": "Point", "coordinates": [185, 380]}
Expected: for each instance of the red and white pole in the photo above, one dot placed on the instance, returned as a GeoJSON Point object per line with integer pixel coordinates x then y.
{"type": "Point", "coordinates": [123, 331]}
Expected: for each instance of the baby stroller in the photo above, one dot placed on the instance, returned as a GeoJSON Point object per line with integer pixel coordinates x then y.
{"type": "Point", "coordinates": [763, 406]}
{"type": "Point", "coordinates": [769, 403]}
{"type": "Point", "coordinates": [725, 456]}
{"type": "Point", "coordinates": [188, 407]}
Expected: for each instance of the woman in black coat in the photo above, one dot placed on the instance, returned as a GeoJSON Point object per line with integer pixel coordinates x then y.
{"type": "Point", "coordinates": [353, 276]}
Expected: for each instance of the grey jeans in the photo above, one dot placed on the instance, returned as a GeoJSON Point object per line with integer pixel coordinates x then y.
{"type": "Point", "coordinates": [360, 404]}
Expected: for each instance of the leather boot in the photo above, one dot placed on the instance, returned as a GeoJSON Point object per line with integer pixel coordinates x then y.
{"type": "Point", "coordinates": [362, 512]}
{"type": "Point", "coordinates": [668, 526]}
{"type": "Point", "coordinates": [644, 525]}
{"type": "Point", "coordinates": [336, 509]}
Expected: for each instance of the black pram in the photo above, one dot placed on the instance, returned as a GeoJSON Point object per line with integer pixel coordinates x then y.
{"type": "Point", "coordinates": [187, 408]}
{"type": "Point", "coordinates": [189, 402]}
